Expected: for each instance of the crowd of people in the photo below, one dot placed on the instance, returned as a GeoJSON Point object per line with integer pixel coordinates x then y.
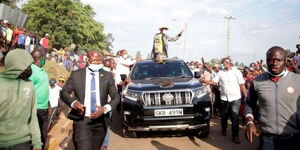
{"type": "Point", "coordinates": [264, 93]}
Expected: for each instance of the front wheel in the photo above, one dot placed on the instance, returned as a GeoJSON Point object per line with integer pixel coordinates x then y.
{"type": "Point", "coordinates": [203, 132]}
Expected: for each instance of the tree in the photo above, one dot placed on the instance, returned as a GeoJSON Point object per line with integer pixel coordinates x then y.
{"type": "Point", "coordinates": [67, 21]}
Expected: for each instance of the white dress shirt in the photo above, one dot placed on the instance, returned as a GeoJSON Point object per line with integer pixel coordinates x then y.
{"type": "Point", "coordinates": [87, 98]}
{"type": "Point", "coordinates": [229, 81]}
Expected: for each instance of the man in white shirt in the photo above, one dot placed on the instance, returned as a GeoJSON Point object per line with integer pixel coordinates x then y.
{"type": "Point", "coordinates": [124, 62]}
{"type": "Point", "coordinates": [231, 84]}
{"type": "Point", "coordinates": [54, 91]}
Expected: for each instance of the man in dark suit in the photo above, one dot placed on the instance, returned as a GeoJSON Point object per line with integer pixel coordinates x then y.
{"type": "Point", "coordinates": [91, 87]}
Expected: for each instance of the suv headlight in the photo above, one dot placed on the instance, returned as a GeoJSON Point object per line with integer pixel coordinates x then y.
{"type": "Point", "coordinates": [199, 92]}
{"type": "Point", "coordinates": [132, 95]}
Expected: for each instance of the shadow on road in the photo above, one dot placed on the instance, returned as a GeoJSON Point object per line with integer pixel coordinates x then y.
{"type": "Point", "coordinates": [161, 146]}
{"type": "Point", "coordinates": [215, 139]}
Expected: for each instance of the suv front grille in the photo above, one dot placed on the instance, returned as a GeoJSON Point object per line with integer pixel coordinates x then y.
{"type": "Point", "coordinates": [177, 98]}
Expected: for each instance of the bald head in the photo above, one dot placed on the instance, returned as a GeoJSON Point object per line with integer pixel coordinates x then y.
{"type": "Point", "coordinates": [276, 60]}
{"type": "Point", "coordinates": [276, 49]}
{"type": "Point", "coordinates": [94, 57]}
{"type": "Point", "coordinates": [36, 54]}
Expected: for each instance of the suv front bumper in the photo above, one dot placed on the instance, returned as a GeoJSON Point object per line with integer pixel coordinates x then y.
{"type": "Point", "coordinates": [137, 117]}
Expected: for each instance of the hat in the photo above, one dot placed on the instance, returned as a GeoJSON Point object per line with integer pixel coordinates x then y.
{"type": "Point", "coordinates": [163, 27]}
{"type": "Point", "coordinates": [52, 81]}
{"type": "Point", "coordinates": [5, 21]}
{"type": "Point", "coordinates": [61, 78]}
{"type": "Point", "coordinates": [46, 34]}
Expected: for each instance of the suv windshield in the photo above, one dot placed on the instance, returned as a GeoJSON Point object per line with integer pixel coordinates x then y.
{"type": "Point", "coordinates": [153, 70]}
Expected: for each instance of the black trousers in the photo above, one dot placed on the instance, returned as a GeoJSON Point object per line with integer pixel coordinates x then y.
{"type": "Point", "coordinates": [89, 134]}
{"type": "Point", "coordinates": [271, 142]}
{"type": "Point", "coordinates": [21, 146]}
{"type": "Point", "coordinates": [42, 115]}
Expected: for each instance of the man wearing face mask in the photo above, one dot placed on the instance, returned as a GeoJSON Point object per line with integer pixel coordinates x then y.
{"type": "Point", "coordinates": [277, 93]}
{"type": "Point", "coordinates": [124, 62]}
{"type": "Point", "coordinates": [160, 42]}
{"type": "Point", "coordinates": [40, 82]}
{"type": "Point", "coordinates": [90, 108]}
{"type": "Point", "coordinates": [232, 86]}
{"type": "Point", "coordinates": [19, 128]}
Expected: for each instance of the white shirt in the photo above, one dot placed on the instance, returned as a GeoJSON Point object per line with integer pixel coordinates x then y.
{"type": "Point", "coordinates": [121, 62]}
{"type": "Point", "coordinates": [229, 81]}
{"type": "Point", "coordinates": [87, 98]}
{"type": "Point", "coordinates": [27, 40]}
{"type": "Point", "coordinates": [54, 95]}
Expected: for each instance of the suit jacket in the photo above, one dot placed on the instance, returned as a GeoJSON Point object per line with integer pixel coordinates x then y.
{"type": "Point", "coordinates": [76, 84]}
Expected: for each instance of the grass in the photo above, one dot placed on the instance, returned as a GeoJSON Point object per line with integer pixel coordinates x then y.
{"type": "Point", "coordinates": [55, 70]}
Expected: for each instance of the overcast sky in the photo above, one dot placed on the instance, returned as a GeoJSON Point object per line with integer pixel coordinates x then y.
{"type": "Point", "coordinates": [259, 24]}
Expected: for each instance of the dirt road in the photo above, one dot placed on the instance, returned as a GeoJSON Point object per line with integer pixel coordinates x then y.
{"type": "Point", "coordinates": [175, 140]}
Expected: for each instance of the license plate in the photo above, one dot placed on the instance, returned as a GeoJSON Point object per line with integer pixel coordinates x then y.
{"type": "Point", "coordinates": [168, 112]}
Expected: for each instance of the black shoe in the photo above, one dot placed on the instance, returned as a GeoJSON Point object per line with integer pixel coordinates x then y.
{"type": "Point", "coordinates": [236, 140]}
{"type": "Point", "coordinates": [224, 132]}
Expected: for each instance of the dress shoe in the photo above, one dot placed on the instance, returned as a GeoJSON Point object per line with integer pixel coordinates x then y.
{"type": "Point", "coordinates": [236, 140]}
{"type": "Point", "coordinates": [224, 132]}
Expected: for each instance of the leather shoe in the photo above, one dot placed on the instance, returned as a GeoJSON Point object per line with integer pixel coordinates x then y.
{"type": "Point", "coordinates": [224, 132]}
{"type": "Point", "coordinates": [236, 140]}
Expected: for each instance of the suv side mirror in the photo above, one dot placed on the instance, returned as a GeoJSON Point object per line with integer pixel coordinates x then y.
{"type": "Point", "coordinates": [197, 74]}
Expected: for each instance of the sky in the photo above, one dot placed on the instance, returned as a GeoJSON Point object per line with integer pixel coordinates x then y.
{"type": "Point", "coordinates": [259, 25]}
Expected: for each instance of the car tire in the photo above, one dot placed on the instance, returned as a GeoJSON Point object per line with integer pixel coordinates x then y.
{"type": "Point", "coordinates": [128, 134]}
{"type": "Point", "coordinates": [203, 132]}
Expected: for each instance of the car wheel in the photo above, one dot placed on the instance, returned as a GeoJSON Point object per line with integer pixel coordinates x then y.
{"type": "Point", "coordinates": [128, 134]}
{"type": "Point", "coordinates": [203, 132]}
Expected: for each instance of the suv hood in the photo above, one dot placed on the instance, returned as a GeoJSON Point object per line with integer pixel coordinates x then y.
{"type": "Point", "coordinates": [164, 84]}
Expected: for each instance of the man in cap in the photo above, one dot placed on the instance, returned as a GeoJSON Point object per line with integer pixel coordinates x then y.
{"type": "Point", "coordinates": [160, 42]}
{"type": "Point", "coordinates": [19, 128]}
{"type": "Point", "coordinates": [54, 91]}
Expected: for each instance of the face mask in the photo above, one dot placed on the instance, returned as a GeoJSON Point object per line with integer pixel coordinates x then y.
{"type": "Point", "coordinates": [222, 66]}
{"type": "Point", "coordinates": [95, 67]}
{"type": "Point", "coordinates": [125, 56]}
{"type": "Point", "coordinates": [43, 61]}
{"type": "Point", "coordinates": [106, 69]}
{"type": "Point", "coordinates": [26, 74]}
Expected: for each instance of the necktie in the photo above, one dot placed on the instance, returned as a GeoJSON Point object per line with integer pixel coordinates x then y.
{"type": "Point", "coordinates": [93, 94]}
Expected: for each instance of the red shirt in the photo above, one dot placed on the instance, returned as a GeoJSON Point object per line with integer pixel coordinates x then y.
{"type": "Point", "coordinates": [45, 42]}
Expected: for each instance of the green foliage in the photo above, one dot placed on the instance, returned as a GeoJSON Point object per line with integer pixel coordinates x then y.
{"type": "Point", "coordinates": [67, 21]}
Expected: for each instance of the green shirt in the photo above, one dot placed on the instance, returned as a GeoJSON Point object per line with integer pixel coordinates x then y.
{"type": "Point", "coordinates": [41, 85]}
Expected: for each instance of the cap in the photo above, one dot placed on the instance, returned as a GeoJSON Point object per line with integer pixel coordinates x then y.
{"type": "Point", "coordinates": [52, 81]}
{"type": "Point", "coordinates": [163, 27]}
{"type": "Point", "coordinates": [46, 34]}
{"type": "Point", "coordinates": [5, 21]}
{"type": "Point", "coordinates": [61, 78]}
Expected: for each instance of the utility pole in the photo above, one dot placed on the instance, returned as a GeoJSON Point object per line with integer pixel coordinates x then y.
{"type": "Point", "coordinates": [184, 44]}
{"type": "Point", "coordinates": [228, 34]}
